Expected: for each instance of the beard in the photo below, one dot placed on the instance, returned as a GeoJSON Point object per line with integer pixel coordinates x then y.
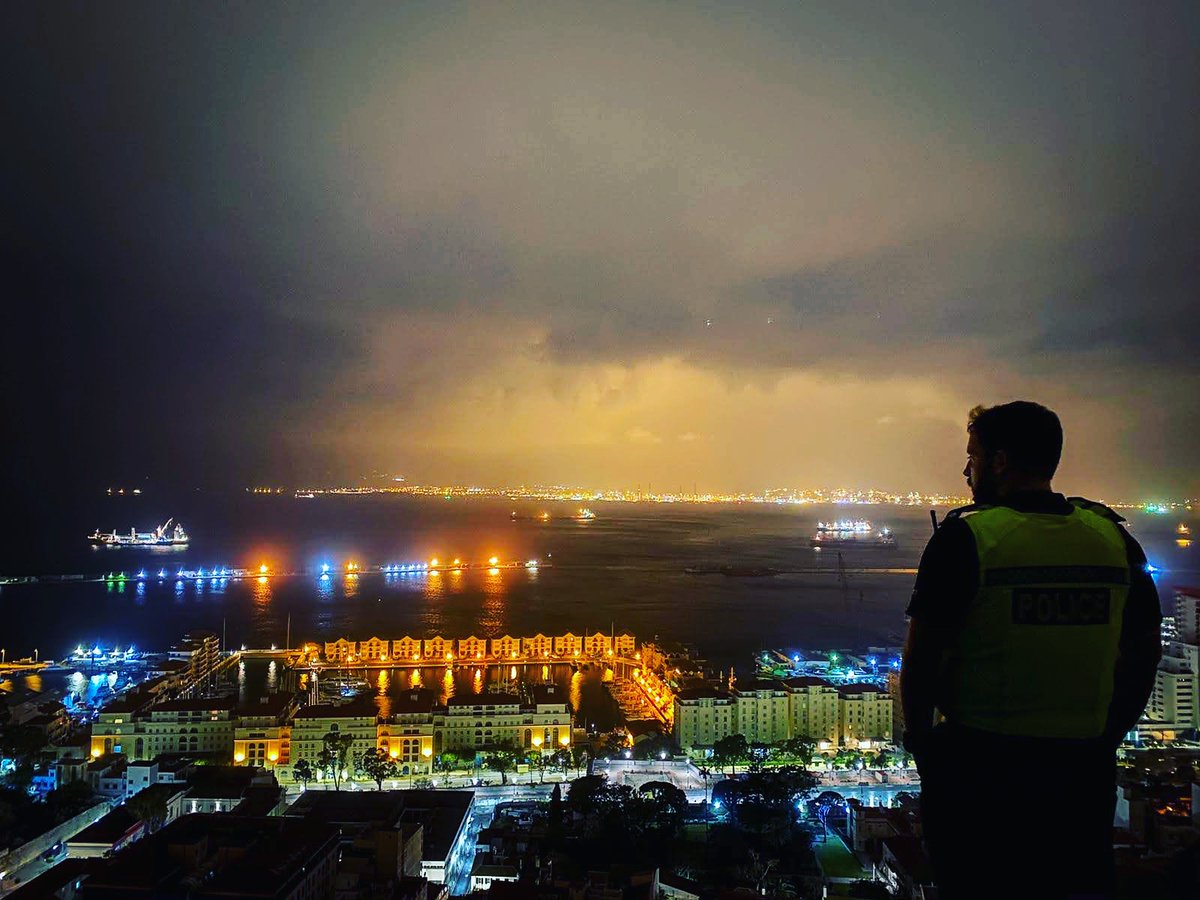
{"type": "Point", "coordinates": [985, 490]}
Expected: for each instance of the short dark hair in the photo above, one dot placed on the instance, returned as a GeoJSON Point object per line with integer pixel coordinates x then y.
{"type": "Point", "coordinates": [1029, 433]}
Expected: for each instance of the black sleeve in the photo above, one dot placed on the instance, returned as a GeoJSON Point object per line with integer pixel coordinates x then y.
{"type": "Point", "coordinates": [1142, 611]}
{"type": "Point", "coordinates": [1139, 650]}
{"type": "Point", "coordinates": [948, 575]}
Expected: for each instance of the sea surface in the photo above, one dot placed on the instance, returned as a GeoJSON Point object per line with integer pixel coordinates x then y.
{"type": "Point", "coordinates": [622, 571]}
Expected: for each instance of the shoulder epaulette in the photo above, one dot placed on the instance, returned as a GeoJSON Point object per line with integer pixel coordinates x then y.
{"type": "Point", "coordinates": [967, 510]}
{"type": "Point", "coordinates": [1098, 508]}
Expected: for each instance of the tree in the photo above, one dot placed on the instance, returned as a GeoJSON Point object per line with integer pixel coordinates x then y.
{"type": "Point", "coordinates": [335, 756]}
{"type": "Point", "coordinates": [21, 743]}
{"type": "Point", "coordinates": [303, 772]}
{"type": "Point", "coordinates": [561, 760]}
{"type": "Point", "coordinates": [764, 802]}
{"type": "Point", "coordinates": [731, 750]}
{"type": "Point", "coordinates": [666, 807]}
{"type": "Point", "coordinates": [502, 760]}
{"type": "Point", "coordinates": [613, 745]}
{"type": "Point", "coordinates": [554, 819]}
{"type": "Point", "coordinates": [377, 765]}
{"type": "Point", "coordinates": [150, 807]}
{"type": "Point", "coordinates": [797, 750]}
{"type": "Point", "coordinates": [580, 757]}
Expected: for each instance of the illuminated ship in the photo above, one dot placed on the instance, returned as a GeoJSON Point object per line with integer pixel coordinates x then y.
{"type": "Point", "coordinates": [162, 536]}
{"type": "Point", "coordinates": [843, 527]}
{"type": "Point", "coordinates": [585, 515]}
{"type": "Point", "coordinates": [855, 535]}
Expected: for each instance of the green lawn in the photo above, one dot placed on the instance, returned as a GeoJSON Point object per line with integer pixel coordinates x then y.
{"type": "Point", "coordinates": [836, 860]}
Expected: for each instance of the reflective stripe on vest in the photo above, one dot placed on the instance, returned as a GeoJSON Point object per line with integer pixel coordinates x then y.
{"type": "Point", "coordinates": [1037, 648]}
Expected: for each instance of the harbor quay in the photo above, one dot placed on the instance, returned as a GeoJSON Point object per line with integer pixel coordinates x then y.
{"type": "Point", "coordinates": [659, 688]}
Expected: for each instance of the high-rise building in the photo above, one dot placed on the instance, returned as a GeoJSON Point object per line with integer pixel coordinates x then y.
{"type": "Point", "coordinates": [814, 710]}
{"type": "Point", "coordinates": [1175, 704]}
{"type": "Point", "coordinates": [761, 712]}
{"type": "Point", "coordinates": [702, 716]}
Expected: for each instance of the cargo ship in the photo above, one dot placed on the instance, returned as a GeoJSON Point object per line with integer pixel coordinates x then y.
{"type": "Point", "coordinates": [162, 536]}
{"type": "Point", "coordinates": [856, 535]}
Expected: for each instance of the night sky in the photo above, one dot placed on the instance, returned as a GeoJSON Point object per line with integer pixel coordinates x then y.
{"type": "Point", "coordinates": [734, 245]}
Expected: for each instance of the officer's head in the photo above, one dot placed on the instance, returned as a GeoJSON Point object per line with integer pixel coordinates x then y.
{"type": "Point", "coordinates": [1010, 448]}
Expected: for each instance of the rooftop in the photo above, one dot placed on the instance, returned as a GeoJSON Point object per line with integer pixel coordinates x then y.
{"type": "Point", "coordinates": [700, 692]}
{"type": "Point", "coordinates": [243, 856]}
{"type": "Point", "coordinates": [196, 704]}
{"type": "Point", "coordinates": [358, 708]}
{"type": "Point", "coordinates": [485, 700]}
{"type": "Point", "coordinates": [108, 829]}
{"type": "Point", "coordinates": [851, 689]}
{"type": "Point", "coordinates": [441, 813]}
{"type": "Point", "coordinates": [273, 705]}
{"type": "Point", "coordinates": [805, 681]}
{"type": "Point", "coordinates": [420, 700]}
{"type": "Point", "coordinates": [758, 684]}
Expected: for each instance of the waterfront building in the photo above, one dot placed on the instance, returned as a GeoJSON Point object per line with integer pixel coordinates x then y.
{"type": "Point", "coordinates": [472, 648]}
{"type": "Point", "coordinates": [537, 647]}
{"type": "Point", "coordinates": [761, 712]}
{"type": "Point", "coordinates": [200, 651]}
{"type": "Point", "coordinates": [624, 645]}
{"type": "Point", "coordinates": [190, 725]}
{"type": "Point", "coordinates": [864, 715]}
{"type": "Point", "coordinates": [507, 647]}
{"type": "Point", "coordinates": [406, 648]}
{"type": "Point", "coordinates": [814, 708]}
{"type": "Point", "coordinates": [479, 721]}
{"type": "Point", "coordinates": [439, 648]}
{"type": "Point", "coordinates": [262, 734]}
{"type": "Point", "coordinates": [702, 716]}
{"type": "Point", "coordinates": [598, 644]}
{"type": "Point", "coordinates": [339, 650]}
{"type": "Point", "coordinates": [373, 649]}
{"type": "Point", "coordinates": [568, 646]}
{"type": "Point", "coordinates": [310, 725]}
{"type": "Point", "coordinates": [406, 735]}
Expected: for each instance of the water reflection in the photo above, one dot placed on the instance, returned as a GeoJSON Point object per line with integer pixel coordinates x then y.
{"type": "Point", "coordinates": [447, 686]}
{"type": "Point", "coordinates": [414, 679]}
{"type": "Point", "coordinates": [575, 692]}
{"type": "Point", "coordinates": [261, 591]}
{"type": "Point", "coordinates": [383, 696]}
{"type": "Point", "coordinates": [325, 588]}
{"type": "Point", "coordinates": [273, 677]}
{"type": "Point", "coordinates": [350, 587]}
{"type": "Point", "coordinates": [477, 682]}
{"type": "Point", "coordinates": [493, 612]}
{"type": "Point", "coordinates": [140, 590]}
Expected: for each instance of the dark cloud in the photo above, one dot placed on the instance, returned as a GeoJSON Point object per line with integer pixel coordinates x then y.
{"type": "Point", "coordinates": [594, 229]}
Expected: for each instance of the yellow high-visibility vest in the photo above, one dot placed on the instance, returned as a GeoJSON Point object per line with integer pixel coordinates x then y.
{"type": "Point", "coordinates": [1036, 651]}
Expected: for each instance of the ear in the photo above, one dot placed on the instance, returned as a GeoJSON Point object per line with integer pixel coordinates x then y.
{"type": "Point", "coordinates": [1000, 462]}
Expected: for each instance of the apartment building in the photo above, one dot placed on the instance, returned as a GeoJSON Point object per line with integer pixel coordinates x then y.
{"type": "Point", "coordinates": [478, 721]}
{"type": "Point", "coordinates": [310, 725]}
{"type": "Point", "coordinates": [762, 711]}
{"type": "Point", "coordinates": [702, 716]}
